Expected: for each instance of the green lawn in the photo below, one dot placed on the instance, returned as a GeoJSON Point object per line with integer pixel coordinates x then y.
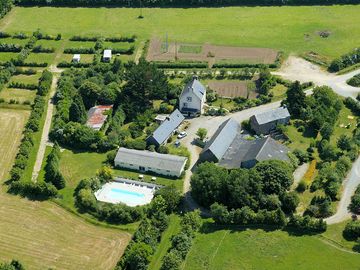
{"type": "Point", "coordinates": [165, 244]}
{"type": "Point", "coordinates": [290, 29]}
{"type": "Point", "coordinates": [239, 248]}
{"type": "Point", "coordinates": [10, 40]}
{"type": "Point", "coordinates": [28, 79]}
{"type": "Point", "coordinates": [40, 58]}
{"type": "Point", "coordinates": [20, 95]}
{"type": "Point", "coordinates": [84, 58]}
{"type": "Point", "coordinates": [7, 56]}
{"type": "Point", "coordinates": [279, 92]}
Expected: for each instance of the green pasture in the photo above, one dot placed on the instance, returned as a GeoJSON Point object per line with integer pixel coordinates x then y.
{"type": "Point", "coordinates": [257, 249]}
{"type": "Point", "coordinates": [290, 29]}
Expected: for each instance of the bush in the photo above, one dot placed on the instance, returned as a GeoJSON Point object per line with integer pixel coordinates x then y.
{"type": "Point", "coordinates": [352, 230]}
{"type": "Point", "coordinates": [6, 47]}
{"type": "Point", "coordinates": [345, 61]}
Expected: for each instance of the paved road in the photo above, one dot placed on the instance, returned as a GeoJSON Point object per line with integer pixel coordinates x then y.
{"type": "Point", "coordinates": [45, 134]}
{"type": "Point", "coordinates": [349, 186]}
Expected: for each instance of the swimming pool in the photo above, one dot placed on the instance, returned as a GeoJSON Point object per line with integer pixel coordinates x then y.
{"type": "Point", "coordinates": [130, 194]}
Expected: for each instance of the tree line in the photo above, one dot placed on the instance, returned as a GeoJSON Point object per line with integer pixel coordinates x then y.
{"type": "Point", "coordinates": [5, 7]}
{"type": "Point", "coordinates": [182, 3]}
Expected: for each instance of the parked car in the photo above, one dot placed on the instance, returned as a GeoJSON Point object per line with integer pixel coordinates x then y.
{"type": "Point", "coordinates": [181, 135]}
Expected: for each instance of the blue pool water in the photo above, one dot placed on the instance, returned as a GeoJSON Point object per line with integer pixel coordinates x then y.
{"type": "Point", "coordinates": [126, 192]}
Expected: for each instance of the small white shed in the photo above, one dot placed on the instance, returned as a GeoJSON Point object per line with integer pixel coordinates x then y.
{"type": "Point", "coordinates": [76, 58]}
{"type": "Point", "coordinates": [107, 56]}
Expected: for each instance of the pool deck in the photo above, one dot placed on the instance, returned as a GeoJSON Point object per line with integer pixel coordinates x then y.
{"type": "Point", "coordinates": [130, 192]}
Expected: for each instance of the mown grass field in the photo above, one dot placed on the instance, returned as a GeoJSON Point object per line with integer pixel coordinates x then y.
{"type": "Point", "coordinates": [41, 234]}
{"type": "Point", "coordinates": [19, 95]}
{"type": "Point", "coordinates": [290, 29]}
{"type": "Point", "coordinates": [256, 249]}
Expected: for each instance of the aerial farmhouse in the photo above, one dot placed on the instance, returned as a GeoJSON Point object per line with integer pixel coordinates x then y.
{"type": "Point", "coordinates": [97, 116]}
{"type": "Point", "coordinates": [266, 122]}
{"type": "Point", "coordinates": [166, 128]}
{"type": "Point", "coordinates": [147, 161]}
{"type": "Point", "coordinates": [193, 98]}
{"type": "Point", "coordinates": [232, 148]}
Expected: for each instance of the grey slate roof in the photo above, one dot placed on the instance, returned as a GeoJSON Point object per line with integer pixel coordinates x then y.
{"type": "Point", "coordinates": [272, 115]}
{"type": "Point", "coordinates": [162, 133]}
{"type": "Point", "coordinates": [223, 138]}
{"type": "Point", "coordinates": [196, 86]}
{"type": "Point", "coordinates": [267, 148]}
{"type": "Point", "coordinates": [150, 159]}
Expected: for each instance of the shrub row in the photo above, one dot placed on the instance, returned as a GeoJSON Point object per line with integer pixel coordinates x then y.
{"type": "Point", "coordinates": [181, 65]}
{"type": "Point", "coordinates": [130, 39]}
{"type": "Point", "coordinates": [41, 49]}
{"type": "Point", "coordinates": [4, 35]}
{"type": "Point", "coordinates": [182, 242]}
{"type": "Point", "coordinates": [65, 64]}
{"type": "Point", "coordinates": [354, 81]}
{"type": "Point", "coordinates": [80, 50]}
{"type": "Point", "coordinates": [247, 216]}
{"type": "Point", "coordinates": [27, 142]}
{"type": "Point", "coordinates": [45, 83]}
{"type": "Point", "coordinates": [28, 71]}
{"type": "Point", "coordinates": [53, 174]}
{"type": "Point", "coordinates": [127, 51]}
{"type": "Point", "coordinates": [121, 39]}
{"type": "Point", "coordinates": [21, 85]}
{"type": "Point", "coordinates": [29, 64]}
{"type": "Point", "coordinates": [345, 61]}
{"type": "Point", "coordinates": [20, 35]}
{"type": "Point", "coordinates": [6, 47]}
{"type": "Point", "coordinates": [38, 190]}
{"type": "Point", "coordinates": [5, 74]}
{"type": "Point", "coordinates": [40, 35]}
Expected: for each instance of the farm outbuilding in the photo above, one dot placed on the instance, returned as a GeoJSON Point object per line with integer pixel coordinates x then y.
{"type": "Point", "coordinates": [107, 55]}
{"type": "Point", "coordinates": [146, 161]}
{"type": "Point", "coordinates": [76, 58]}
{"type": "Point", "coordinates": [232, 148]}
{"type": "Point", "coordinates": [266, 122]}
{"type": "Point", "coordinates": [97, 116]}
{"type": "Point", "coordinates": [166, 129]}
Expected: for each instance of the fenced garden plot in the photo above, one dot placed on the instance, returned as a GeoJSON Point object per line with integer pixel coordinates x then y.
{"type": "Point", "coordinates": [209, 53]}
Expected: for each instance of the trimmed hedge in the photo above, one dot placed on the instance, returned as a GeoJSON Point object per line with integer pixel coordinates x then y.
{"type": "Point", "coordinates": [4, 35]}
{"type": "Point", "coordinates": [45, 83]}
{"type": "Point", "coordinates": [20, 85]}
{"type": "Point", "coordinates": [130, 39]}
{"type": "Point", "coordinates": [80, 50]}
{"type": "Point", "coordinates": [41, 49]}
{"type": "Point", "coordinates": [5, 47]}
{"type": "Point", "coordinates": [65, 64]}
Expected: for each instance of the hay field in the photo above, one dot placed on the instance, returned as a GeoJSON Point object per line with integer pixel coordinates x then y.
{"type": "Point", "coordinates": [41, 234]}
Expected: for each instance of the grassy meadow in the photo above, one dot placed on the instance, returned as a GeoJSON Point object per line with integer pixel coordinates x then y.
{"type": "Point", "coordinates": [257, 249]}
{"type": "Point", "coordinates": [290, 29]}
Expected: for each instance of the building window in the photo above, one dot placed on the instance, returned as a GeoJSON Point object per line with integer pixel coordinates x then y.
{"type": "Point", "coordinates": [168, 170]}
{"type": "Point", "coordinates": [189, 99]}
{"type": "Point", "coordinates": [185, 105]}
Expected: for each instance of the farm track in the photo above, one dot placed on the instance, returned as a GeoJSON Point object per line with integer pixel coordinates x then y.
{"type": "Point", "coordinates": [46, 129]}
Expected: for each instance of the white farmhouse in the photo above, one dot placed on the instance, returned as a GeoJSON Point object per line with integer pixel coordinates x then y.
{"type": "Point", "coordinates": [192, 98]}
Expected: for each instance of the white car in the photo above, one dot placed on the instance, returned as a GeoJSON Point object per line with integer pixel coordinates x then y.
{"type": "Point", "coordinates": [181, 135]}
